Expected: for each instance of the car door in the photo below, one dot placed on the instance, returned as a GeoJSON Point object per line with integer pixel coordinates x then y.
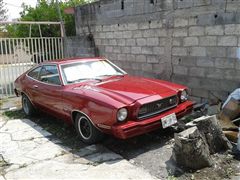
{"type": "Point", "coordinates": [31, 83]}
{"type": "Point", "coordinates": [49, 89]}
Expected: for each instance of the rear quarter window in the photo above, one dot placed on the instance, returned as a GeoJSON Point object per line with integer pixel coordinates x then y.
{"type": "Point", "coordinates": [35, 73]}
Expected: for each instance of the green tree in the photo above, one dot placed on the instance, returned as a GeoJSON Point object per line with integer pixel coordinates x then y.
{"type": "Point", "coordinates": [45, 10]}
{"type": "Point", "coordinates": [3, 11]}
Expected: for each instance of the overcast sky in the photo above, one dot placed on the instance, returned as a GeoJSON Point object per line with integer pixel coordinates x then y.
{"type": "Point", "coordinates": [14, 7]}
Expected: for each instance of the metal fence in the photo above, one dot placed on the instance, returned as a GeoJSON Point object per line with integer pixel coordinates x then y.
{"type": "Point", "coordinates": [17, 55]}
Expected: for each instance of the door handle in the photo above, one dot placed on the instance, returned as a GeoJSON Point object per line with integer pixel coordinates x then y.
{"type": "Point", "coordinates": [35, 86]}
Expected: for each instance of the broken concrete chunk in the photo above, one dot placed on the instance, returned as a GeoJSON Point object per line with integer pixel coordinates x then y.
{"type": "Point", "coordinates": [191, 149]}
{"type": "Point", "coordinates": [211, 130]}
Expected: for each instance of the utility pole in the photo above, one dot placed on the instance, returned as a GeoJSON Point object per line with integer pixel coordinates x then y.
{"type": "Point", "coordinates": [63, 34]}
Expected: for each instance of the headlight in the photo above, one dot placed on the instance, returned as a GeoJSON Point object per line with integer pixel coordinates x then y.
{"type": "Point", "coordinates": [122, 114]}
{"type": "Point", "coordinates": [184, 96]}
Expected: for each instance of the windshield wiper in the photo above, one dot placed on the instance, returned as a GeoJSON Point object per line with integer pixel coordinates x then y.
{"type": "Point", "coordinates": [84, 79]}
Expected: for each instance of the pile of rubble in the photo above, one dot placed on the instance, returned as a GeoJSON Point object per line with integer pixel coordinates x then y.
{"type": "Point", "coordinates": [208, 135]}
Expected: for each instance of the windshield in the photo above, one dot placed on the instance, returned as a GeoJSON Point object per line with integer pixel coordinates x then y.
{"type": "Point", "coordinates": [82, 71]}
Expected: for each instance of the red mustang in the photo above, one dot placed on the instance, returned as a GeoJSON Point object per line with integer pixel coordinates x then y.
{"type": "Point", "coordinates": [98, 97]}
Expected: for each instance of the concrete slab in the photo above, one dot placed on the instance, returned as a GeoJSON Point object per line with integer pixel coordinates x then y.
{"type": "Point", "coordinates": [32, 154]}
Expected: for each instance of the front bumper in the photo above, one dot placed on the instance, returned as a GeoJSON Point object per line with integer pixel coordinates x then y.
{"type": "Point", "coordinates": [133, 128]}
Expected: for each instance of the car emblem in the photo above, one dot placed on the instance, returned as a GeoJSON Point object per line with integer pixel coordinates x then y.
{"type": "Point", "coordinates": [159, 105]}
{"type": "Point", "coordinates": [171, 101]}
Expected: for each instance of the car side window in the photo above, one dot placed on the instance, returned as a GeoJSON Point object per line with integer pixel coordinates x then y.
{"type": "Point", "coordinates": [49, 74]}
{"type": "Point", "coordinates": [34, 73]}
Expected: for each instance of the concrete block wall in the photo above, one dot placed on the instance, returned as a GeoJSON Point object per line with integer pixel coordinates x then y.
{"type": "Point", "coordinates": [78, 46]}
{"type": "Point", "coordinates": [191, 42]}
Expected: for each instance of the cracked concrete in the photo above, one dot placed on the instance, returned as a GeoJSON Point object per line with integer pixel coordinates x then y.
{"type": "Point", "coordinates": [32, 153]}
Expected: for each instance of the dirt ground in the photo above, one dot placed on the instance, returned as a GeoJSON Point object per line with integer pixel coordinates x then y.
{"type": "Point", "coordinates": [151, 151]}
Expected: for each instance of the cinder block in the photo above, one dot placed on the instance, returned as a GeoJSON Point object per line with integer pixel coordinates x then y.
{"type": "Point", "coordinates": [126, 50]}
{"type": "Point", "coordinates": [214, 73]}
{"type": "Point", "coordinates": [136, 50]}
{"type": "Point", "coordinates": [199, 92]}
{"type": "Point", "coordinates": [147, 67]}
{"type": "Point", "coordinates": [197, 72]}
{"type": "Point", "coordinates": [141, 42]}
{"type": "Point", "coordinates": [232, 29]}
{"type": "Point", "coordinates": [152, 59]}
{"type": "Point", "coordinates": [227, 41]}
{"type": "Point", "coordinates": [156, 24]}
{"type": "Point", "coordinates": [113, 42]}
{"type": "Point", "coordinates": [205, 62]}
{"type": "Point", "coordinates": [106, 28]}
{"type": "Point", "coordinates": [182, 70]}
{"type": "Point", "coordinates": [208, 41]}
{"type": "Point", "coordinates": [179, 51]}
{"type": "Point", "coordinates": [187, 61]}
{"type": "Point", "coordinates": [130, 42]}
{"type": "Point", "coordinates": [118, 34]}
{"type": "Point", "coordinates": [102, 35]}
{"type": "Point", "coordinates": [130, 58]}
{"type": "Point", "coordinates": [179, 4]}
{"type": "Point", "coordinates": [180, 32]}
{"type": "Point", "coordinates": [177, 42]}
{"type": "Point", "coordinates": [152, 41]}
{"type": "Point", "coordinates": [180, 22]}
{"type": "Point", "coordinates": [206, 19]}
{"type": "Point", "coordinates": [109, 49]}
{"type": "Point", "coordinates": [162, 41]}
{"type": "Point", "coordinates": [143, 25]}
{"type": "Point", "coordinates": [192, 21]}
{"type": "Point", "coordinates": [198, 51]}
{"type": "Point", "coordinates": [214, 30]}
{"type": "Point", "coordinates": [147, 50]}
{"type": "Point", "coordinates": [201, 3]}
{"type": "Point", "coordinates": [233, 52]}
{"type": "Point", "coordinates": [121, 57]}
{"type": "Point", "coordinates": [117, 49]}
{"type": "Point", "coordinates": [196, 31]}
{"type": "Point", "coordinates": [141, 58]}
{"type": "Point", "coordinates": [224, 63]}
{"type": "Point", "coordinates": [148, 33]}
{"type": "Point", "coordinates": [137, 34]}
{"type": "Point", "coordinates": [216, 52]}
{"type": "Point", "coordinates": [109, 35]}
{"type": "Point", "coordinates": [190, 41]}
{"type": "Point", "coordinates": [127, 34]}
{"type": "Point", "coordinates": [121, 42]}
{"type": "Point", "coordinates": [132, 26]}
{"type": "Point", "coordinates": [160, 32]}
{"type": "Point", "coordinates": [158, 50]}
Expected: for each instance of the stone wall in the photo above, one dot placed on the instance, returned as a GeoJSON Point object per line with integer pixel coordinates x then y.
{"type": "Point", "coordinates": [192, 42]}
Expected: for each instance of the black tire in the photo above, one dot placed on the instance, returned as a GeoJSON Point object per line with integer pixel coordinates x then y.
{"type": "Point", "coordinates": [88, 133]}
{"type": "Point", "coordinates": [27, 106]}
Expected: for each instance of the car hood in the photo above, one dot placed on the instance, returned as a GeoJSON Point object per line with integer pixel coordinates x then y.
{"type": "Point", "coordinates": [128, 89]}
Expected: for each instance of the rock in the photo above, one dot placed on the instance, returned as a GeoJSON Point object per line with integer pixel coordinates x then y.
{"type": "Point", "coordinates": [191, 149]}
{"type": "Point", "coordinates": [210, 128]}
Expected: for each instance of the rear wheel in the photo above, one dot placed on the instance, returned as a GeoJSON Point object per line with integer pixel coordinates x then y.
{"type": "Point", "coordinates": [88, 133]}
{"type": "Point", "coordinates": [27, 106]}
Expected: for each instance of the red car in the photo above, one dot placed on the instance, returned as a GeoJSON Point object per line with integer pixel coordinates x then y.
{"type": "Point", "coordinates": [98, 97]}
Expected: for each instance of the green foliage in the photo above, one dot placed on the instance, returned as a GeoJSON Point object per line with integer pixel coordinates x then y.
{"type": "Point", "coordinates": [3, 11]}
{"type": "Point", "coordinates": [45, 10]}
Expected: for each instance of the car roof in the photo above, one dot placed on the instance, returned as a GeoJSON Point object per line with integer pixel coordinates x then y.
{"type": "Point", "coordinates": [72, 60]}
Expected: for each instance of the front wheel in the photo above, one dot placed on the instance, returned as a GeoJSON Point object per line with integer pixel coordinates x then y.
{"type": "Point", "coordinates": [88, 133]}
{"type": "Point", "coordinates": [27, 106]}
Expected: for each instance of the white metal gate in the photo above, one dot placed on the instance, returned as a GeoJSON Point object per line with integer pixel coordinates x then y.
{"type": "Point", "coordinates": [17, 55]}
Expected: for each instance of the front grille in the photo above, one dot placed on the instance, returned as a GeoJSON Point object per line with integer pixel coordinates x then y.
{"type": "Point", "coordinates": [157, 107]}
